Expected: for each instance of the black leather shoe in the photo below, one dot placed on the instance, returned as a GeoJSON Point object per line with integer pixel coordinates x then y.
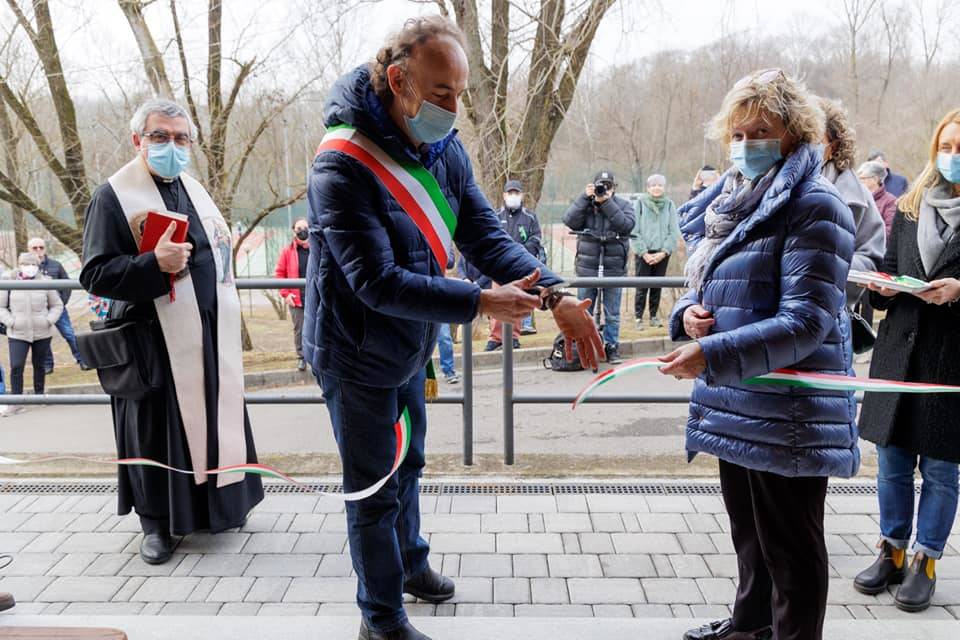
{"type": "Point", "coordinates": [492, 345]}
{"type": "Point", "coordinates": [884, 571]}
{"type": "Point", "coordinates": [918, 586]}
{"type": "Point", "coordinates": [406, 632]}
{"type": "Point", "coordinates": [430, 586]}
{"type": "Point", "coordinates": [156, 548]}
{"type": "Point", "coordinates": [723, 630]}
{"type": "Point", "coordinates": [7, 601]}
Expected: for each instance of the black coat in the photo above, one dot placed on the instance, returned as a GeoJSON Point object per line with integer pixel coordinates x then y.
{"type": "Point", "coordinates": [54, 270]}
{"type": "Point", "coordinates": [612, 221]}
{"type": "Point", "coordinates": [522, 225]}
{"type": "Point", "coordinates": [917, 342]}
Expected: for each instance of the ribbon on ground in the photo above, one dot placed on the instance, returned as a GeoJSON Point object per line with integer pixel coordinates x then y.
{"type": "Point", "coordinates": [784, 377]}
{"type": "Point", "coordinates": [402, 429]}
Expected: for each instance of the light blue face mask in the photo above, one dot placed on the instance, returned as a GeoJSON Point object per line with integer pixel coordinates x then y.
{"type": "Point", "coordinates": [755, 157]}
{"type": "Point", "coordinates": [431, 124]}
{"type": "Point", "coordinates": [949, 166]}
{"type": "Point", "coordinates": [168, 160]}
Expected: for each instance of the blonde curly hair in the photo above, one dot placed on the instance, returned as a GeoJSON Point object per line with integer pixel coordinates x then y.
{"type": "Point", "coordinates": [766, 93]}
{"type": "Point", "coordinates": [400, 45]}
{"type": "Point", "coordinates": [841, 136]}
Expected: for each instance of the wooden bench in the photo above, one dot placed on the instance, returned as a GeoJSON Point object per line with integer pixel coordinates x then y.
{"type": "Point", "coordinates": [60, 633]}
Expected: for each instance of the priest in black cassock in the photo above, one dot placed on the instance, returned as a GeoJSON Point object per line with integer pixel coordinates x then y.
{"type": "Point", "coordinates": [185, 293]}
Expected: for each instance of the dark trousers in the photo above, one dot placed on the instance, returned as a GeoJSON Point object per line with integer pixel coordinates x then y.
{"type": "Point", "coordinates": [384, 529]}
{"type": "Point", "coordinates": [777, 528]}
{"type": "Point", "coordinates": [65, 327]}
{"type": "Point", "coordinates": [18, 361]}
{"type": "Point", "coordinates": [642, 270]}
{"type": "Point", "coordinates": [296, 314]}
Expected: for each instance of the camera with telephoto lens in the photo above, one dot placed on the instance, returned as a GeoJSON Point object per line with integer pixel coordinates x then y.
{"type": "Point", "coordinates": [600, 189]}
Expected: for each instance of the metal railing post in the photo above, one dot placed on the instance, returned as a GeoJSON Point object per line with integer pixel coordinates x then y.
{"type": "Point", "coordinates": [467, 351]}
{"type": "Point", "coordinates": [507, 337]}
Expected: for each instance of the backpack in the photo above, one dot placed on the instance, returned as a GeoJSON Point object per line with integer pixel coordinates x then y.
{"type": "Point", "coordinates": [558, 359]}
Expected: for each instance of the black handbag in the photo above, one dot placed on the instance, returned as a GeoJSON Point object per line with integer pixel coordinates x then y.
{"type": "Point", "coordinates": [862, 334]}
{"type": "Point", "coordinates": [125, 356]}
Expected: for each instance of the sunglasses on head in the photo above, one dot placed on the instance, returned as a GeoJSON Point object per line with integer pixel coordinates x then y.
{"type": "Point", "coordinates": [765, 76]}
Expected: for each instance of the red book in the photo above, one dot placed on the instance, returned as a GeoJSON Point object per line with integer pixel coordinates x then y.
{"type": "Point", "coordinates": [154, 226]}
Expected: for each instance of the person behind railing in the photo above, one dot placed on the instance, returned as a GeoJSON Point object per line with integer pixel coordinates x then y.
{"type": "Point", "coordinates": [292, 263]}
{"type": "Point", "coordinates": [706, 177]}
{"type": "Point", "coordinates": [52, 269]}
{"type": "Point", "coordinates": [771, 247]}
{"type": "Point", "coordinates": [195, 418]}
{"type": "Point", "coordinates": [918, 342]}
{"type": "Point", "coordinates": [30, 316]}
{"type": "Point", "coordinates": [604, 221]}
{"type": "Point", "coordinates": [390, 192]}
{"type": "Point", "coordinates": [655, 238]}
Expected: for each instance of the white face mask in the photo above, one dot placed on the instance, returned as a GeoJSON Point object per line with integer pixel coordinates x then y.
{"type": "Point", "coordinates": [513, 201]}
{"type": "Point", "coordinates": [30, 271]}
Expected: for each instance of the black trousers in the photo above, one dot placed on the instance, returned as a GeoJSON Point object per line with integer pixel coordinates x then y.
{"type": "Point", "coordinates": [18, 361]}
{"type": "Point", "coordinates": [777, 528]}
{"type": "Point", "coordinates": [643, 269]}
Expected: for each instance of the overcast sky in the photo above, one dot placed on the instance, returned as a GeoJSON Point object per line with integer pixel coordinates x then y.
{"type": "Point", "coordinates": [96, 39]}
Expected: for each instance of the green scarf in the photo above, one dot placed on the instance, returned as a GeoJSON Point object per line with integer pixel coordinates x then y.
{"type": "Point", "coordinates": [657, 204]}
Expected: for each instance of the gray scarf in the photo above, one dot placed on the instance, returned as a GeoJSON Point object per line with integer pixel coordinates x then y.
{"type": "Point", "coordinates": [737, 200]}
{"type": "Point", "coordinates": [939, 220]}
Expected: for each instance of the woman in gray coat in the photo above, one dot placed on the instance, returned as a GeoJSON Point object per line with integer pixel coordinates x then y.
{"type": "Point", "coordinates": [30, 317]}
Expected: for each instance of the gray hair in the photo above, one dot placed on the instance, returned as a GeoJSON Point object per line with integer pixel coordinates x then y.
{"type": "Point", "coordinates": [656, 179]}
{"type": "Point", "coordinates": [872, 169]}
{"type": "Point", "coordinates": [27, 258]}
{"type": "Point", "coordinates": [164, 107]}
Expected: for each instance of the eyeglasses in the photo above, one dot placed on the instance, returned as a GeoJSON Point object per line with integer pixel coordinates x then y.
{"type": "Point", "coordinates": [765, 76]}
{"type": "Point", "coordinates": [163, 137]}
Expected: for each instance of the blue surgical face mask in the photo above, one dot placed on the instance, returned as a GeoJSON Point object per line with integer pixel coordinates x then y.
{"type": "Point", "coordinates": [755, 157]}
{"type": "Point", "coordinates": [168, 160]}
{"type": "Point", "coordinates": [431, 124]}
{"type": "Point", "coordinates": [949, 166]}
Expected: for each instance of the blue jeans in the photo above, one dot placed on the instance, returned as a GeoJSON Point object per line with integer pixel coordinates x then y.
{"type": "Point", "coordinates": [384, 529]}
{"type": "Point", "coordinates": [611, 312]}
{"type": "Point", "coordinates": [445, 344]}
{"type": "Point", "coordinates": [938, 500]}
{"type": "Point", "coordinates": [527, 323]}
{"type": "Point", "coordinates": [66, 330]}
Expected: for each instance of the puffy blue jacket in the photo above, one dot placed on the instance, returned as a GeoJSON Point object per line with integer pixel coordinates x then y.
{"type": "Point", "coordinates": [776, 288]}
{"type": "Point", "coordinates": [374, 291]}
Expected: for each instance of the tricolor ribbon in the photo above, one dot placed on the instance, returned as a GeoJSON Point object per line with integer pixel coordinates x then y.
{"type": "Point", "coordinates": [784, 377]}
{"type": "Point", "coordinates": [402, 429]}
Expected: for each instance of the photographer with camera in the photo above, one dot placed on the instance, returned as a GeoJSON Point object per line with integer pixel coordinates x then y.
{"type": "Point", "coordinates": [602, 222]}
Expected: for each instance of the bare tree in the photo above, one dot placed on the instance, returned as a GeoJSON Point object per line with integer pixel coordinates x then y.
{"type": "Point", "coordinates": [894, 21]}
{"type": "Point", "coordinates": [857, 14]}
{"type": "Point", "coordinates": [66, 163]}
{"type": "Point", "coordinates": [519, 144]}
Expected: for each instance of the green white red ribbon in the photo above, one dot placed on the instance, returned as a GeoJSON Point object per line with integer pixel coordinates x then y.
{"type": "Point", "coordinates": [402, 429]}
{"type": "Point", "coordinates": [785, 377]}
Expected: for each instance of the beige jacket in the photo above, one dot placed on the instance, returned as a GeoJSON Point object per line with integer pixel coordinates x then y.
{"type": "Point", "coordinates": [30, 315]}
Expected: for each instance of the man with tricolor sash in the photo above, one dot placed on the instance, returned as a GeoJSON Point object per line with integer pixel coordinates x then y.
{"type": "Point", "coordinates": [184, 302]}
{"type": "Point", "coordinates": [391, 192]}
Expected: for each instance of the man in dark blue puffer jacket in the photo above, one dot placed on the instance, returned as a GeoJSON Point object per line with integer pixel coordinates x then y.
{"type": "Point", "coordinates": [375, 294]}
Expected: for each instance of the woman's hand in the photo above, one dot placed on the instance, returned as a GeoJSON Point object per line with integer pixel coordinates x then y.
{"type": "Point", "coordinates": [942, 291]}
{"type": "Point", "coordinates": [687, 362]}
{"type": "Point", "coordinates": [884, 291]}
{"type": "Point", "coordinates": [697, 321]}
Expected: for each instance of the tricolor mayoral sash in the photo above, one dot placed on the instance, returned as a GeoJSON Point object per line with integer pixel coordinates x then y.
{"type": "Point", "coordinates": [409, 182]}
{"type": "Point", "coordinates": [182, 330]}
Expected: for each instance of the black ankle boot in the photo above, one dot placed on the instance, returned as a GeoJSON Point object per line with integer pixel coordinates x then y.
{"type": "Point", "coordinates": [918, 586]}
{"type": "Point", "coordinates": [884, 571]}
{"type": "Point", "coordinates": [406, 632]}
{"type": "Point", "coordinates": [430, 586]}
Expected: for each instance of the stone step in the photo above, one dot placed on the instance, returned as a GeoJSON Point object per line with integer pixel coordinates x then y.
{"type": "Point", "coordinates": [461, 628]}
